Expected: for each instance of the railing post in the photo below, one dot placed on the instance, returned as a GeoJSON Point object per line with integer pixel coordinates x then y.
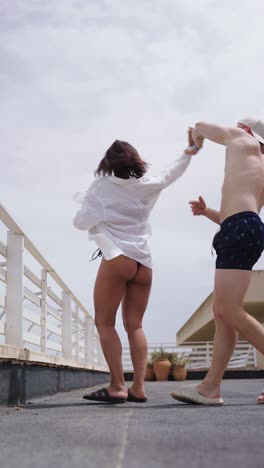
{"type": "Point", "coordinates": [14, 289]}
{"type": "Point", "coordinates": [43, 320]}
{"type": "Point", "coordinates": [76, 332]}
{"type": "Point", "coordinates": [100, 354]}
{"type": "Point", "coordinates": [89, 341]}
{"type": "Point", "coordinates": [66, 325]}
{"type": "Point", "coordinates": [97, 352]}
{"type": "Point", "coordinates": [208, 353]}
{"type": "Point", "coordinates": [258, 359]}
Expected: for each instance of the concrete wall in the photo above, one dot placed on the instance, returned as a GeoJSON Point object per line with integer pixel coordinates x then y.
{"type": "Point", "coordinates": [200, 326]}
{"type": "Point", "coordinates": [21, 382]}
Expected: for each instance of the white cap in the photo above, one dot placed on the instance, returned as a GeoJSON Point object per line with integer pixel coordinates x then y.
{"type": "Point", "coordinates": [256, 127]}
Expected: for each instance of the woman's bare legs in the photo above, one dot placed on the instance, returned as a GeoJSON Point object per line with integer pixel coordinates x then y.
{"type": "Point", "coordinates": [134, 304]}
{"type": "Point", "coordinates": [110, 286]}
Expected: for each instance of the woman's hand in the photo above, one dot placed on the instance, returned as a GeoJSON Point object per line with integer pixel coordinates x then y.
{"type": "Point", "coordinates": [194, 146]}
{"type": "Point", "coordinates": [197, 139]}
{"type": "Point", "coordinates": [190, 137]}
{"type": "Point", "coordinates": [198, 207]}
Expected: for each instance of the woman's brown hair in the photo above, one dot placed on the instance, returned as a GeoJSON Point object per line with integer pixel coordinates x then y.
{"type": "Point", "coordinates": [122, 160]}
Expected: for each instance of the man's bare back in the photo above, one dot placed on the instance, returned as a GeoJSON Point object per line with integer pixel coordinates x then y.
{"type": "Point", "coordinates": [243, 187]}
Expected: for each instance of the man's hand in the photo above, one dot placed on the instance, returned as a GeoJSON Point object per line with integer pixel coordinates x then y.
{"type": "Point", "coordinates": [194, 146]}
{"type": "Point", "coordinates": [198, 207]}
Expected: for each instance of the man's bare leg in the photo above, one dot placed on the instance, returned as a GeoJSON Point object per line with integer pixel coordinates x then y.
{"type": "Point", "coordinates": [224, 344]}
{"type": "Point", "coordinates": [230, 289]}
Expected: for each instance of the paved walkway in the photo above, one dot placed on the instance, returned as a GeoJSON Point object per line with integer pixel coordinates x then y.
{"type": "Point", "coordinates": [66, 431]}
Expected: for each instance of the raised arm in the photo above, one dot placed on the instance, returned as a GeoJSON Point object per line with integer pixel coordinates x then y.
{"type": "Point", "coordinates": [179, 166]}
{"type": "Point", "coordinates": [216, 133]}
{"type": "Point", "coordinates": [173, 171]}
{"type": "Point", "coordinates": [199, 208]}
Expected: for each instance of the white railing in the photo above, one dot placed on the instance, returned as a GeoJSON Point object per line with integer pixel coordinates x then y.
{"type": "Point", "coordinates": [200, 354]}
{"type": "Point", "coordinates": [40, 317]}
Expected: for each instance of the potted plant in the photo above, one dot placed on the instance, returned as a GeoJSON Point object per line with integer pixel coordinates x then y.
{"type": "Point", "coordinates": [178, 362]}
{"type": "Point", "coordinates": [150, 375]}
{"type": "Point", "coordinates": [161, 364]}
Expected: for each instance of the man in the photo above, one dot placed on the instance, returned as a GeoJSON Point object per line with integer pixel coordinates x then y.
{"type": "Point", "coordinates": [238, 245]}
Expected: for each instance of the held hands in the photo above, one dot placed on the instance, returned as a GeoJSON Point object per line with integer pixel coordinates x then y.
{"type": "Point", "coordinates": [194, 144]}
{"type": "Point", "coordinates": [198, 207]}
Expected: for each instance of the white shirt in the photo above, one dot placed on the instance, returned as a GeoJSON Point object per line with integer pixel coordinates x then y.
{"type": "Point", "coordinates": [116, 211]}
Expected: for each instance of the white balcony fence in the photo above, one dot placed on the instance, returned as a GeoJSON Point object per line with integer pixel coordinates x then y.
{"type": "Point", "coordinates": [40, 317]}
{"type": "Point", "coordinates": [200, 354]}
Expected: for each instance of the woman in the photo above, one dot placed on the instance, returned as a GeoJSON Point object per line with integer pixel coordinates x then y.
{"type": "Point", "coordinates": [115, 211]}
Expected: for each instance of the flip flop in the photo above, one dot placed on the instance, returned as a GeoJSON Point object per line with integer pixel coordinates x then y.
{"type": "Point", "coordinates": [135, 399]}
{"type": "Point", "coordinates": [104, 396]}
{"type": "Point", "coordinates": [260, 402]}
{"type": "Point", "coordinates": [189, 394]}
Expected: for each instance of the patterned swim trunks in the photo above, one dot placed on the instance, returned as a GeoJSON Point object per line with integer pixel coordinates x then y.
{"type": "Point", "coordinates": [240, 241]}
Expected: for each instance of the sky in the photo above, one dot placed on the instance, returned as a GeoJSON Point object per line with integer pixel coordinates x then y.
{"type": "Point", "coordinates": [75, 76]}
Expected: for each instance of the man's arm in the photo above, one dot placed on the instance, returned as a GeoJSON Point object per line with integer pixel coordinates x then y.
{"type": "Point", "coordinates": [199, 208]}
{"type": "Point", "coordinates": [216, 133]}
{"type": "Point", "coordinates": [213, 215]}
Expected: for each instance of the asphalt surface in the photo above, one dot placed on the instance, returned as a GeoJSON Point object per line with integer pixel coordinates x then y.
{"type": "Point", "coordinates": [66, 431]}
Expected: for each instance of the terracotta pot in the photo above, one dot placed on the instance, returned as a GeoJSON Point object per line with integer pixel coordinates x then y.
{"type": "Point", "coordinates": [162, 369]}
{"type": "Point", "coordinates": [179, 373]}
{"type": "Point", "coordinates": [154, 365]}
{"type": "Point", "coordinates": [150, 375]}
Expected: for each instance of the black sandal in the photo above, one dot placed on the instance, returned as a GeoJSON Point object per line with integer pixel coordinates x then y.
{"type": "Point", "coordinates": [135, 399]}
{"type": "Point", "coordinates": [104, 396]}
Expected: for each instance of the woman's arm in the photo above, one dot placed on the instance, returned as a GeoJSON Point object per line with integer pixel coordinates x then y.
{"type": "Point", "coordinates": [179, 166]}
{"type": "Point", "coordinates": [174, 171]}
{"type": "Point", "coordinates": [90, 214]}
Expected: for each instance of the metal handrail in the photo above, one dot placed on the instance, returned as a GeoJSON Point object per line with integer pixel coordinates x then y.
{"type": "Point", "coordinates": [44, 322]}
{"type": "Point", "coordinates": [200, 354]}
